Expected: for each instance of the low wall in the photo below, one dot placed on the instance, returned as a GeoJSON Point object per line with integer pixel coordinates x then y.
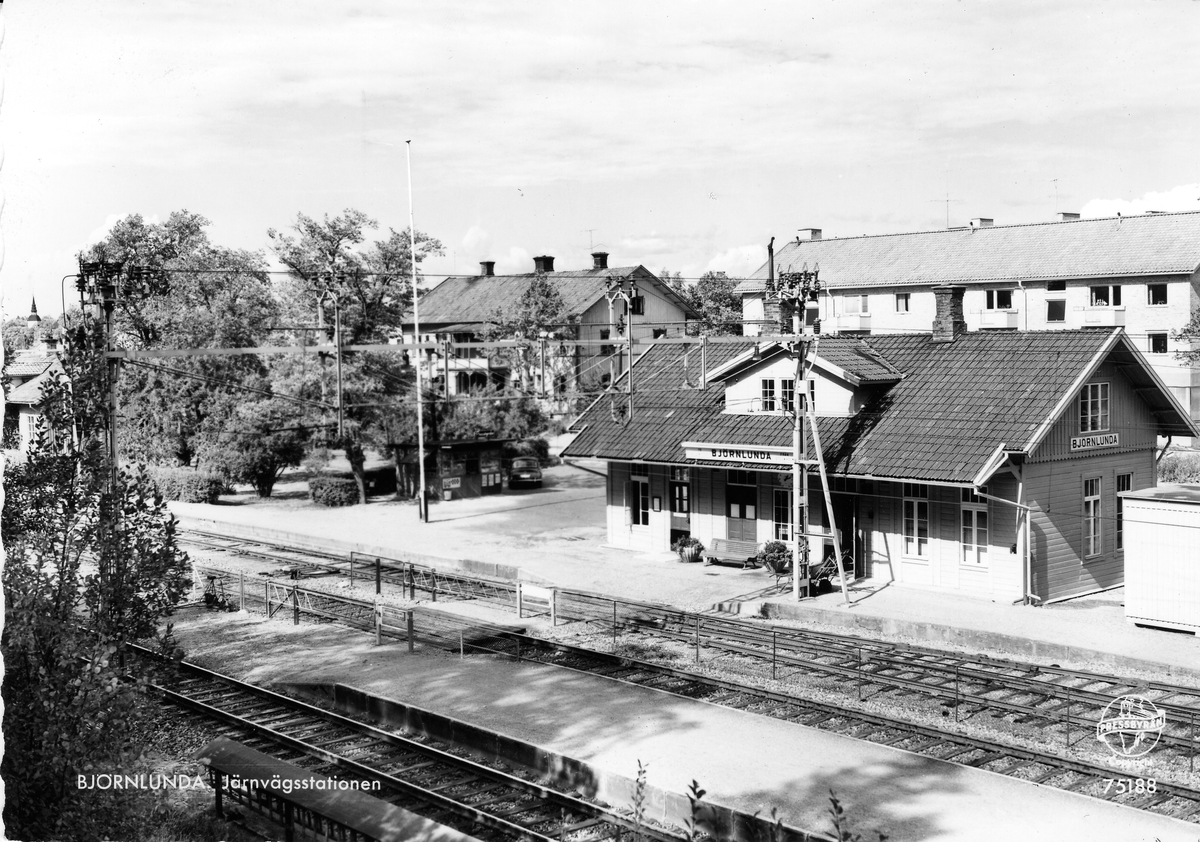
{"type": "Point", "coordinates": [554, 769]}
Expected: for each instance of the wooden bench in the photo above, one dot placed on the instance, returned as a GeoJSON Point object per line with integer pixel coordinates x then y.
{"type": "Point", "coordinates": [724, 550]}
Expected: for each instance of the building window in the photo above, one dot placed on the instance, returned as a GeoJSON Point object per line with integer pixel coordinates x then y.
{"type": "Point", "coordinates": [768, 395]}
{"type": "Point", "coordinates": [1124, 483]}
{"type": "Point", "coordinates": [639, 470]}
{"type": "Point", "coordinates": [680, 499]}
{"type": "Point", "coordinates": [1156, 295]}
{"type": "Point", "coordinates": [1105, 296]}
{"type": "Point", "coordinates": [1157, 343]}
{"type": "Point", "coordinates": [916, 527]}
{"type": "Point", "coordinates": [1091, 517]}
{"type": "Point", "coordinates": [855, 305]}
{"type": "Point", "coordinates": [606, 350]}
{"type": "Point", "coordinates": [605, 381]}
{"type": "Point", "coordinates": [999, 299]}
{"type": "Point", "coordinates": [787, 395]}
{"type": "Point", "coordinates": [974, 527]}
{"type": "Point", "coordinates": [1056, 311]}
{"type": "Point", "coordinates": [659, 332]}
{"type": "Point", "coordinates": [903, 299]}
{"type": "Point", "coordinates": [1056, 286]}
{"type": "Point", "coordinates": [1093, 408]}
{"type": "Point", "coordinates": [783, 514]}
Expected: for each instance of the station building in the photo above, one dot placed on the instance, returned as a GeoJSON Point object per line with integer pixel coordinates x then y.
{"type": "Point", "coordinates": [984, 462]}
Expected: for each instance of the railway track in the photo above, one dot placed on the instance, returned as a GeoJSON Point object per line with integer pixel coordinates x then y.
{"type": "Point", "coordinates": [481, 800]}
{"type": "Point", "coordinates": [1025, 690]}
{"type": "Point", "coordinates": [1070, 699]}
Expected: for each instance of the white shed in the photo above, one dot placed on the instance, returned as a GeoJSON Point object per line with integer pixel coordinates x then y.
{"type": "Point", "coordinates": [1161, 538]}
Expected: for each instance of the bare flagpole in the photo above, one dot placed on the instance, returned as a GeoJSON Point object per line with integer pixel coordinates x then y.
{"type": "Point", "coordinates": [422, 502]}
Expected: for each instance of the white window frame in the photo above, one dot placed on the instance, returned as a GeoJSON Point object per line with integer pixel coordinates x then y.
{"type": "Point", "coordinates": [993, 299]}
{"type": "Point", "coordinates": [1150, 337]}
{"type": "Point", "coordinates": [916, 499]}
{"type": "Point", "coordinates": [1111, 295]}
{"type": "Point", "coordinates": [1150, 302]}
{"type": "Point", "coordinates": [1059, 302]}
{"type": "Point", "coordinates": [787, 394]}
{"type": "Point", "coordinates": [903, 302]}
{"type": "Point", "coordinates": [767, 393]}
{"type": "Point", "coordinates": [639, 505]}
{"type": "Point", "coordinates": [1094, 408]}
{"type": "Point", "coordinates": [974, 553]}
{"type": "Point", "coordinates": [781, 529]}
{"type": "Point", "coordinates": [1124, 483]}
{"type": "Point", "coordinates": [1093, 517]}
{"type": "Point", "coordinates": [856, 305]}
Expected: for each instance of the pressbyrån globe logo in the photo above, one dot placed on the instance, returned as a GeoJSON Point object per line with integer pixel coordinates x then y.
{"type": "Point", "coordinates": [1130, 725]}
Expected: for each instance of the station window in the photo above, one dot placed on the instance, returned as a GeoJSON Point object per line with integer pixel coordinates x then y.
{"type": "Point", "coordinates": [1092, 517]}
{"type": "Point", "coordinates": [1105, 296]}
{"type": "Point", "coordinates": [1093, 408]}
{"type": "Point", "coordinates": [903, 300]}
{"type": "Point", "coordinates": [681, 503]}
{"type": "Point", "coordinates": [1124, 483]}
{"type": "Point", "coordinates": [916, 527]}
{"type": "Point", "coordinates": [782, 514]}
{"type": "Point", "coordinates": [974, 515]}
{"type": "Point", "coordinates": [787, 395]}
{"type": "Point", "coordinates": [1156, 295]}
{"type": "Point", "coordinates": [999, 299]}
{"type": "Point", "coordinates": [1056, 311]}
{"type": "Point", "coordinates": [1156, 343]}
{"type": "Point", "coordinates": [768, 395]}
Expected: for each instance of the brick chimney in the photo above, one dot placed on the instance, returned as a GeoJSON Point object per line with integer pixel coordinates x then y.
{"type": "Point", "coordinates": [808, 234]}
{"type": "Point", "coordinates": [1064, 216]}
{"type": "Point", "coordinates": [599, 260]}
{"type": "Point", "coordinates": [544, 263]}
{"type": "Point", "coordinates": [982, 222]}
{"type": "Point", "coordinates": [949, 321]}
{"type": "Point", "coordinates": [487, 268]}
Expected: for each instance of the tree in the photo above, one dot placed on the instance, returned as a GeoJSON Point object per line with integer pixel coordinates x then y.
{"type": "Point", "coordinates": [91, 565]}
{"type": "Point", "coordinates": [540, 310]}
{"type": "Point", "coordinates": [260, 440]}
{"type": "Point", "coordinates": [329, 260]}
{"type": "Point", "coordinates": [203, 296]}
{"type": "Point", "coordinates": [713, 296]}
{"type": "Point", "coordinates": [1190, 335]}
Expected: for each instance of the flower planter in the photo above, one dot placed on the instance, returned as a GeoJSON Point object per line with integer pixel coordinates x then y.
{"type": "Point", "coordinates": [691, 554]}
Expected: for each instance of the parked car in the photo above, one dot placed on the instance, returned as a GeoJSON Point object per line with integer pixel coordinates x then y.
{"type": "Point", "coordinates": [525, 471]}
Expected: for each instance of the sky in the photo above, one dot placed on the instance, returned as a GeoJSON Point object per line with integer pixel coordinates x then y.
{"type": "Point", "coordinates": [673, 135]}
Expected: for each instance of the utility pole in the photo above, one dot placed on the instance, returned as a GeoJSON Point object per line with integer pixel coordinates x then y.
{"type": "Point", "coordinates": [798, 291]}
{"type": "Point", "coordinates": [422, 502]}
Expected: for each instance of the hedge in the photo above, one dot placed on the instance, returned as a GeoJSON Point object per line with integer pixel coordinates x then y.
{"type": "Point", "coordinates": [528, 447]}
{"type": "Point", "coordinates": [333, 491]}
{"type": "Point", "coordinates": [187, 485]}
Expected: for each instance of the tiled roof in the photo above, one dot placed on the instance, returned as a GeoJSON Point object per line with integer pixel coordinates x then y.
{"type": "Point", "coordinates": [29, 363]}
{"type": "Point", "coordinates": [30, 392]}
{"type": "Point", "coordinates": [1149, 244]}
{"type": "Point", "coordinates": [956, 404]}
{"type": "Point", "coordinates": [476, 298]}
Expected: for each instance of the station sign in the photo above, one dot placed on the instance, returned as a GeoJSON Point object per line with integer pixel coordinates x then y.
{"type": "Point", "coordinates": [452, 482]}
{"type": "Point", "coordinates": [1095, 441]}
{"type": "Point", "coordinates": [765, 454]}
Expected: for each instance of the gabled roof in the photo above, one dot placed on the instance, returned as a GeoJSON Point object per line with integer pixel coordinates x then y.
{"type": "Point", "coordinates": [471, 299]}
{"type": "Point", "coordinates": [957, 404]}
{"type": "Point", "coordinates": [29, 393]}
{"type": "Point", "coordinates": [29, 363]}
{"type": "Point", "coordinates": [1112, 247]}
{"type": "Point", "coordinates": [857, 363]}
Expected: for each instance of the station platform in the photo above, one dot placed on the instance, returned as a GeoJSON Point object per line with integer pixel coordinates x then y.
{"type": "Point", "coordinates": [745, 762]}
{"type": "Point", "coordinates": [556, 536]}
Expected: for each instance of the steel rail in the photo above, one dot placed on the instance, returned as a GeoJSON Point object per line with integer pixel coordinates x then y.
{"type": "Point", "coordinates": [264, 713]}
{"type": "Point", "coordinates": [609, 665]}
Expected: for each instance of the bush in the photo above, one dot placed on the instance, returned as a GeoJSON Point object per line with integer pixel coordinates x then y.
{"type": "Point", "coordinates": [187, 485]}
{"type": "Point", "coordinates": [775, 555]}
{"type": "Point", "coordinates": [1181, 467]}
{"type": "Point", "coordinates": [528, 447]}
{"type": "Point", "coordinates": [333, 491]}
{"type": "Point", "coordinates": [687, 541]}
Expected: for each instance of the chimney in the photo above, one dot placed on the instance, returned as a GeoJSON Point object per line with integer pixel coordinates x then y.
{"type": "Point", "coordinates": [544, 263]}
{"type": "Point", "coordinates": [981, 222]}
{"type": "Point", "coordinates": [808, 234]}
{"type": "Point", "coordinates": [1064, 216]}
{"type": "Point", "coordinates": [599, 260]}
{"type": "Point", "coordinates": [949, 321]}
{"type": "Point", "coordinates": [487, 268]}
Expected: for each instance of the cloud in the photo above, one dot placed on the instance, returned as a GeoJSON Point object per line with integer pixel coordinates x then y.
{"type": "Point", "coordinates": [477, 242]}
{"type": "Point", "coordinates": [515, 262]}
{"type": "Point", "coordinates": [1185, 197]}
{"type": "Point", "coordinates": [737, 262]}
